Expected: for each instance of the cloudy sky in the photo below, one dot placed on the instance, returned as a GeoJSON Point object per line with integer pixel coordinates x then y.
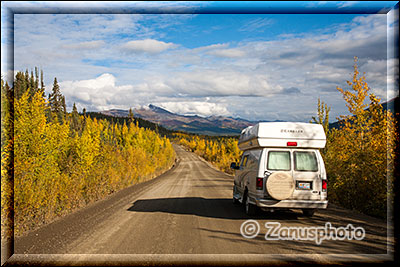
{"type": "Point", "coordinates": [254, 66]}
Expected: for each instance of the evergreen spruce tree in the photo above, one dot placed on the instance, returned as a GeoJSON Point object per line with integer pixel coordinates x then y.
{"type": "Point", "coordinates": [131, 118]}
{"type": "Point", "coordinates": [48, 112]}
{"type": "Point", "coordinates": [32, 86]}
{"type": "Point", "coordinates": [84, 118]}
{"type": "Point", "coordinates": [36, 79]}
{"type": "Point", "coordinates": [20, 85]}
{"type": "Point", "coordinates": [75, 123]}
{"type": "Point", "coordinates": [27, 78]}
{"type": "Point", "coordinates": [56, 102]}
{"type": "Point", "coordinates": [64, 107]}
{"type": "Point", "coordinates": [42, 87]}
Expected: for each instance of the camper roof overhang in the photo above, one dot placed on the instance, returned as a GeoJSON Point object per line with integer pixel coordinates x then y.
{"type": "Point", "coordinates": [283, 134]}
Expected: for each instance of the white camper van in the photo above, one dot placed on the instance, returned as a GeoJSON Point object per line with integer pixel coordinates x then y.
{"type": "Point", "coordinates": [281, 168]}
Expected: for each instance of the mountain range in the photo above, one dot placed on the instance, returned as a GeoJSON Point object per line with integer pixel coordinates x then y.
{"type": "Point", "coordinates": [212, 125]}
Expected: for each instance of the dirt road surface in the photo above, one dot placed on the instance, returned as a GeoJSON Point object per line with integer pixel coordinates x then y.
{"type": "Point", "coordinates": [186, 216]}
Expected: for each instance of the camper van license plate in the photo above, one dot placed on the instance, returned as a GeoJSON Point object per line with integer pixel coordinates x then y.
{"type": "Point", "coordinates": [304, 186]}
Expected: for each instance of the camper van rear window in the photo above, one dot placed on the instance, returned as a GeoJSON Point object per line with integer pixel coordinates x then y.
{"type": "Point", "coordinates": [278, 161]}
{"type": "Point", "coordinates": [305, 161]}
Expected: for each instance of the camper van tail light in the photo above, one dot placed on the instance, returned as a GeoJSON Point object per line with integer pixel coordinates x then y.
{"type": "Point", "coordinates": [291, 143]}
{"type": "Point", "coordinates": [324, 185]}
{"type": "Point", "coordinates": [259, 183]}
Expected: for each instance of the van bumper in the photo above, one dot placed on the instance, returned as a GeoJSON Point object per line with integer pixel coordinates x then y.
{"type": "Point", "coordinates": [294, 204]}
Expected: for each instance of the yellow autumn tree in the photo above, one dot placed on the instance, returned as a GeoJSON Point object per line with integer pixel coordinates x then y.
{"type": "Point", "coordinates": [58, 166]}
{"type": "Point", "coordinates": [6, 161]}
{"type": "Point", "coordinates": [38, 150]}
{"type": "Point", "coordinates": [220, 151]}
{"type": "Point", "coordinates": [323, 119]}
{"type": "Point", "coordinates": [361, 151]}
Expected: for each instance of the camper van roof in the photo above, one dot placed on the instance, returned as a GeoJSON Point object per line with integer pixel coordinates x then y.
{"type": "Point", "coordinates": [280, 134]}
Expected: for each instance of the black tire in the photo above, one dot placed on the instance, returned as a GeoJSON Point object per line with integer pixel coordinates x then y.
{"type": "Point", "coordinates": [308, 212]}
{"type": "Point", "coordinates": [249, 208]}
{"type": "Point", "coordinates": [235, 200]}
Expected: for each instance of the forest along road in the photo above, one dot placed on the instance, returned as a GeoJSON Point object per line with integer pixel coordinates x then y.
{"type": "Point", "coordinates": [189, 210]}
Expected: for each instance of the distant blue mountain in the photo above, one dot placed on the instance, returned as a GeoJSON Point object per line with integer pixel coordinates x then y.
{"type": "Point", "coordinates": [213, 125]}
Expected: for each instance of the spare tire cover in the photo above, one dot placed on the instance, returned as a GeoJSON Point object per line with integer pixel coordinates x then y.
{"type": "Point", "coordinates": [280, 185]}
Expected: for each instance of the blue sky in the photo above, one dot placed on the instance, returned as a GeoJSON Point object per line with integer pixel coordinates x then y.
{"type": "Point", "coordinates": [254, 66]}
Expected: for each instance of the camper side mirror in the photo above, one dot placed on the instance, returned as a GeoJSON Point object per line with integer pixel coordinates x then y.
{"type": "Point", "coordinates": [234, 166]}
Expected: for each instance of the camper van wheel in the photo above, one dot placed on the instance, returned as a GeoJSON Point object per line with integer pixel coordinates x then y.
{"type": "Point", "coordinates": [308, 212]}
{"type": "Point", "coordinates": [250, 209]}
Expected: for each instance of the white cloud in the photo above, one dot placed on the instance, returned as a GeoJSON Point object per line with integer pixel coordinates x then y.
{"type": "Point", "coordinates": [258, 24]}
{"type": "Point", "coordinates": [147, 45]}
{"type": "Point", "coordinates": [195, 108]}
{"type": "Point", "coordinates": [219, 50]}
{"type": "Point", "coordinates": [217, 82]}
{"type": "Point", "coordinates": [210, 47]}
{"type": "Point", "coordinates": [96, 94]}
{"type": "Point", "coordinates": [85, 45]}
{"type": "Point", "coordinates": [313, 62]}
{"type": "Point", "coordinates": [228, 53]}
{"type": "Point", "coordinates": [343, 4]}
